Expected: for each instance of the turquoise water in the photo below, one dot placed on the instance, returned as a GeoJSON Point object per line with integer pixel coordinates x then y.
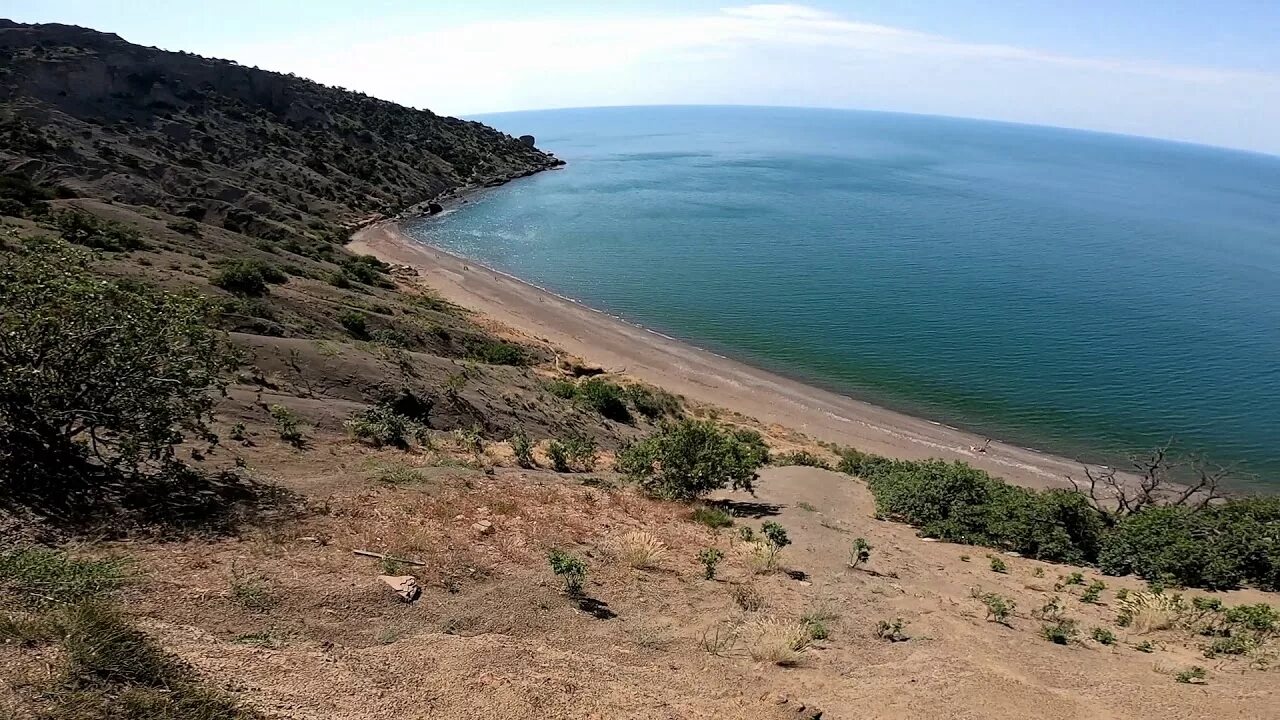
{"type": "Point", "coordinates": [1080, 293]}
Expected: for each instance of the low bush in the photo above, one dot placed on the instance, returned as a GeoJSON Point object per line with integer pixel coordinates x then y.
{"type": "Point", "coordinates": [747, 597]}
{"type": "Point", "coordinates": [687, 459]}
{"type": "Point", "coordinates": [354, 322]}
{"type": "Point", "coordinates": [522, 448]}
{"type": "Point", "coordinates": [651, 402]}
{"type": "Point", "coordinates": [998, 565]}
{"type": "Point", "coordinates": [892, 630]}
{"type": "Point", "coordinates": [710, 558]}
{"type": "Point", "coordinates": [1062, 632]}
{"type": "Point", "coordinates": [571, 570]}
{"type": "Point", "coordinates": [860, 553]}
{"type": "Point", "coordinates": [712, 517]}
{"type": "Point", "coordinates": [777, 641]}
{"type": "Point", "coordinates": [1103, 636]}
{"type": "Point", "coordinates": [999, 607]}
{"type": "Point", "coordinates": [288, 425]}
{"type": "Point", "coordinates": [248, 277]}
{"type": "Point", "coordinates": [639, 550]}
{"type": "Point", "coordinates": [81, 228]}
{"type": "Point", "coordinates": [1218, 545]}
{"type": "Point", "coordinates": [381, 426]}
{"type": "Point", "coordinates": [572, 453]}
{"type": "Point", "coordinates": [604, 397]}
{"type": "Point", "coordinates": [800, 457]}
{"type": "Point", "coordinates": [496, 352]}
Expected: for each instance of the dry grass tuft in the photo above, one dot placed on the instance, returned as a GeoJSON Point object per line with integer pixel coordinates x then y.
{"type": "Point", "coordinates": [777, 641]}
{"type": "Point", "coordinates": [639, 549]}
{"type": "Point", "coordinates": [761, 557]}
{"type": "Point", "coordinates": [747, 597]}
{"type": "Point", "coordinates": [1147, 611]}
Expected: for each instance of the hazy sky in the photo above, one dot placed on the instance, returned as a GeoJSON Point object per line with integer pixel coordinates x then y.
{"type": "Point", "coordinates": [1200, 71]}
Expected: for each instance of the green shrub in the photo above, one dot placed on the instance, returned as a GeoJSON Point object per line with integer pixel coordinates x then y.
{"type": "Point", "coordinates": [1259, 618]}
{"type": "Point", "coordinates": [380, 426]}
{"type": "Point", "coordinates": [604, 397]}
{"type": "Point", "coordinates": [571, 570]}
{"type": "Point", "coordinates": [368, 270]}
{"type": "Point", "coordinates": [801, 457]}
{"type": "Point", "coordinates": [1061, 632]}
{"type": "Point", "coordinates": [687, 459]}
{"type": "Point", "coordinates": [288, 425]}
{"type": "Point", "coordinates": [860, 553]}
{"type": "Point", "coordinates": [1193, 674]}
{"type": "Point", "coordinates": [999, 608]}
{"type": "Point", "coordinates": [496, 352]}
{"type": "Point", "coordinates": [522, 447]}
{"type": "Point", "coordinates": [186, 226]}
{"type": "Point", "coordinates": [959, 503]}
{"type": "Point", "coordinates": [775, 534]}
{"type": "Point", "coordinates": [710, 557]}
{"type": "Point", "coordinates": [562, 389]}
{"type": "Point", "coordinates": [892, 631]}
{"type": "Point", "coordinates": [1092, 593]}
{"type": "Point", "coordinates": [1145, 647]}
{"type": "Point", "coordinates": [572, 453]}
{"type": "Point", "coordinates": [81, 228]}
{"type": "Point", "coordinates": [712, 517]}
{"type": "Point", "coordinates": [1218, 547]}
{"type": "Point", "coordinates": [98, 378]}
{"type": "Point", "coordinates": [248, 277]}
{"type": "Point", "coordinates": [1104, 636]}
{"type": "Point", "coordinates": [651, 402]}
{"type": "Point", "coordinates": [998, 565]}
{"type": "Point", "coordinates": [354, 322]}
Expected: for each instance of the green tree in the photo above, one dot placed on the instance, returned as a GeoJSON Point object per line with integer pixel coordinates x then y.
{"type": "Point", "coordinates": [689, 458]}
{"type": "Point", "coordinates": [98, 378]}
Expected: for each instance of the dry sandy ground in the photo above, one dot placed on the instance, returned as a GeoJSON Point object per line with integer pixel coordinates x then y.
{"type": "Point", "coordinates": [498, 638]}
{"type": "Point", "coordinates": [697, 374]}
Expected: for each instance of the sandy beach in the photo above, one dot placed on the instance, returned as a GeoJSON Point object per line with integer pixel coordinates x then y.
{"type": "Point", "coordinates": [700, 375]}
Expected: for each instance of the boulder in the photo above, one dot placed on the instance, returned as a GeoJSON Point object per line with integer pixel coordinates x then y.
{"type": "Point", "coordinates": [527, 140]}
{"type": "Point", "coordinates": [434, 207]}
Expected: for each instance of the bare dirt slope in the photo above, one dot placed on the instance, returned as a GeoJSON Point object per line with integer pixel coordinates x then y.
{"type": "Point", "coordinates": [297, 626]}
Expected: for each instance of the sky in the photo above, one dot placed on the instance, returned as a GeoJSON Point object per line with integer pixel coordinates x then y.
{"type": "Point", "coordinates": [1205, 72]}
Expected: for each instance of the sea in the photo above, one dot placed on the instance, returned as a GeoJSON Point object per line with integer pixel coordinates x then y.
{"type": "Point", "coordinates": [1085, 294]}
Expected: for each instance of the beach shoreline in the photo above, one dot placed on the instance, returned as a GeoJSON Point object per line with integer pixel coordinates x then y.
{"type": "Point", "coordinates": [701, 375]}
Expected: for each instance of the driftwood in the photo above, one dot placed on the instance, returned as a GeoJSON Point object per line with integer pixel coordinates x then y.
{"type": "Point", "coordinates": [380, 556]}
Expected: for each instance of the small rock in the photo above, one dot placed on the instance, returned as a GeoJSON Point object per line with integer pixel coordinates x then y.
{"type": "Point", "coordinates": [482, 527]}
{"type": "Point", "coordinates": [405, 586]}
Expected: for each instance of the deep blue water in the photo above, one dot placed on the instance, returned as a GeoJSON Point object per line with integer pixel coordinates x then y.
{"type": "Point", "coordinates": [1081, 293]}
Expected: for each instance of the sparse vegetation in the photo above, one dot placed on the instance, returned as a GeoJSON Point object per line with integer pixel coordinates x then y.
{"type": "Point", "coordinates": [817, 621]}
{"type": "Point", "coordinates": [248, 277]}
{"type": "Point", "coordinates": [999, 607]}
{"type": "Point", "coordinates": [522, 447]}
{"type": "Point", "coordinates": [288, 425]}
{"type": "Point", "coordinates": [382, 426]}
{"type": "Point", "coordinates": [1093, 593]}
{"type": "Point", "coordinates": [81, 228]}
{"type": "Point", "coordinates": [252, 591]}
{"type": "Point", "coordinates": [1061, 632]}
{"type": "Point", "coordinates": [1103, 636]}
{"type": "Point", "coordinates": [710, 558]}
{"type": "Point", "coordinates": [687, 459]}
{"type": "Point", "coordinates": [571, 570]}
{"type": "Point", "coordinates": [747, 596]}
{"type": "Point", "coordinates": [860, 553]}
{"type": "Point", "coordinates": [712, 517]}
{"type": "Point", "coordinates": [998, 565]}
{"type": "Point", "coordinates": [639, 550]}
{"type": "Point", "coordinates": [892, 630]}
{"type": "Point", "coordinates": [800, 457]}
{"type": "Point", "coordinates": [778, 641]}
{"type": "Point", "coordinates": [651, 402]}
{"type": "Point", "coordinates": [1193, 674]}
{"type": "Point", "coordinates": [41, 577]}
{"type": "Point", "coordinates": [574, 452]}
